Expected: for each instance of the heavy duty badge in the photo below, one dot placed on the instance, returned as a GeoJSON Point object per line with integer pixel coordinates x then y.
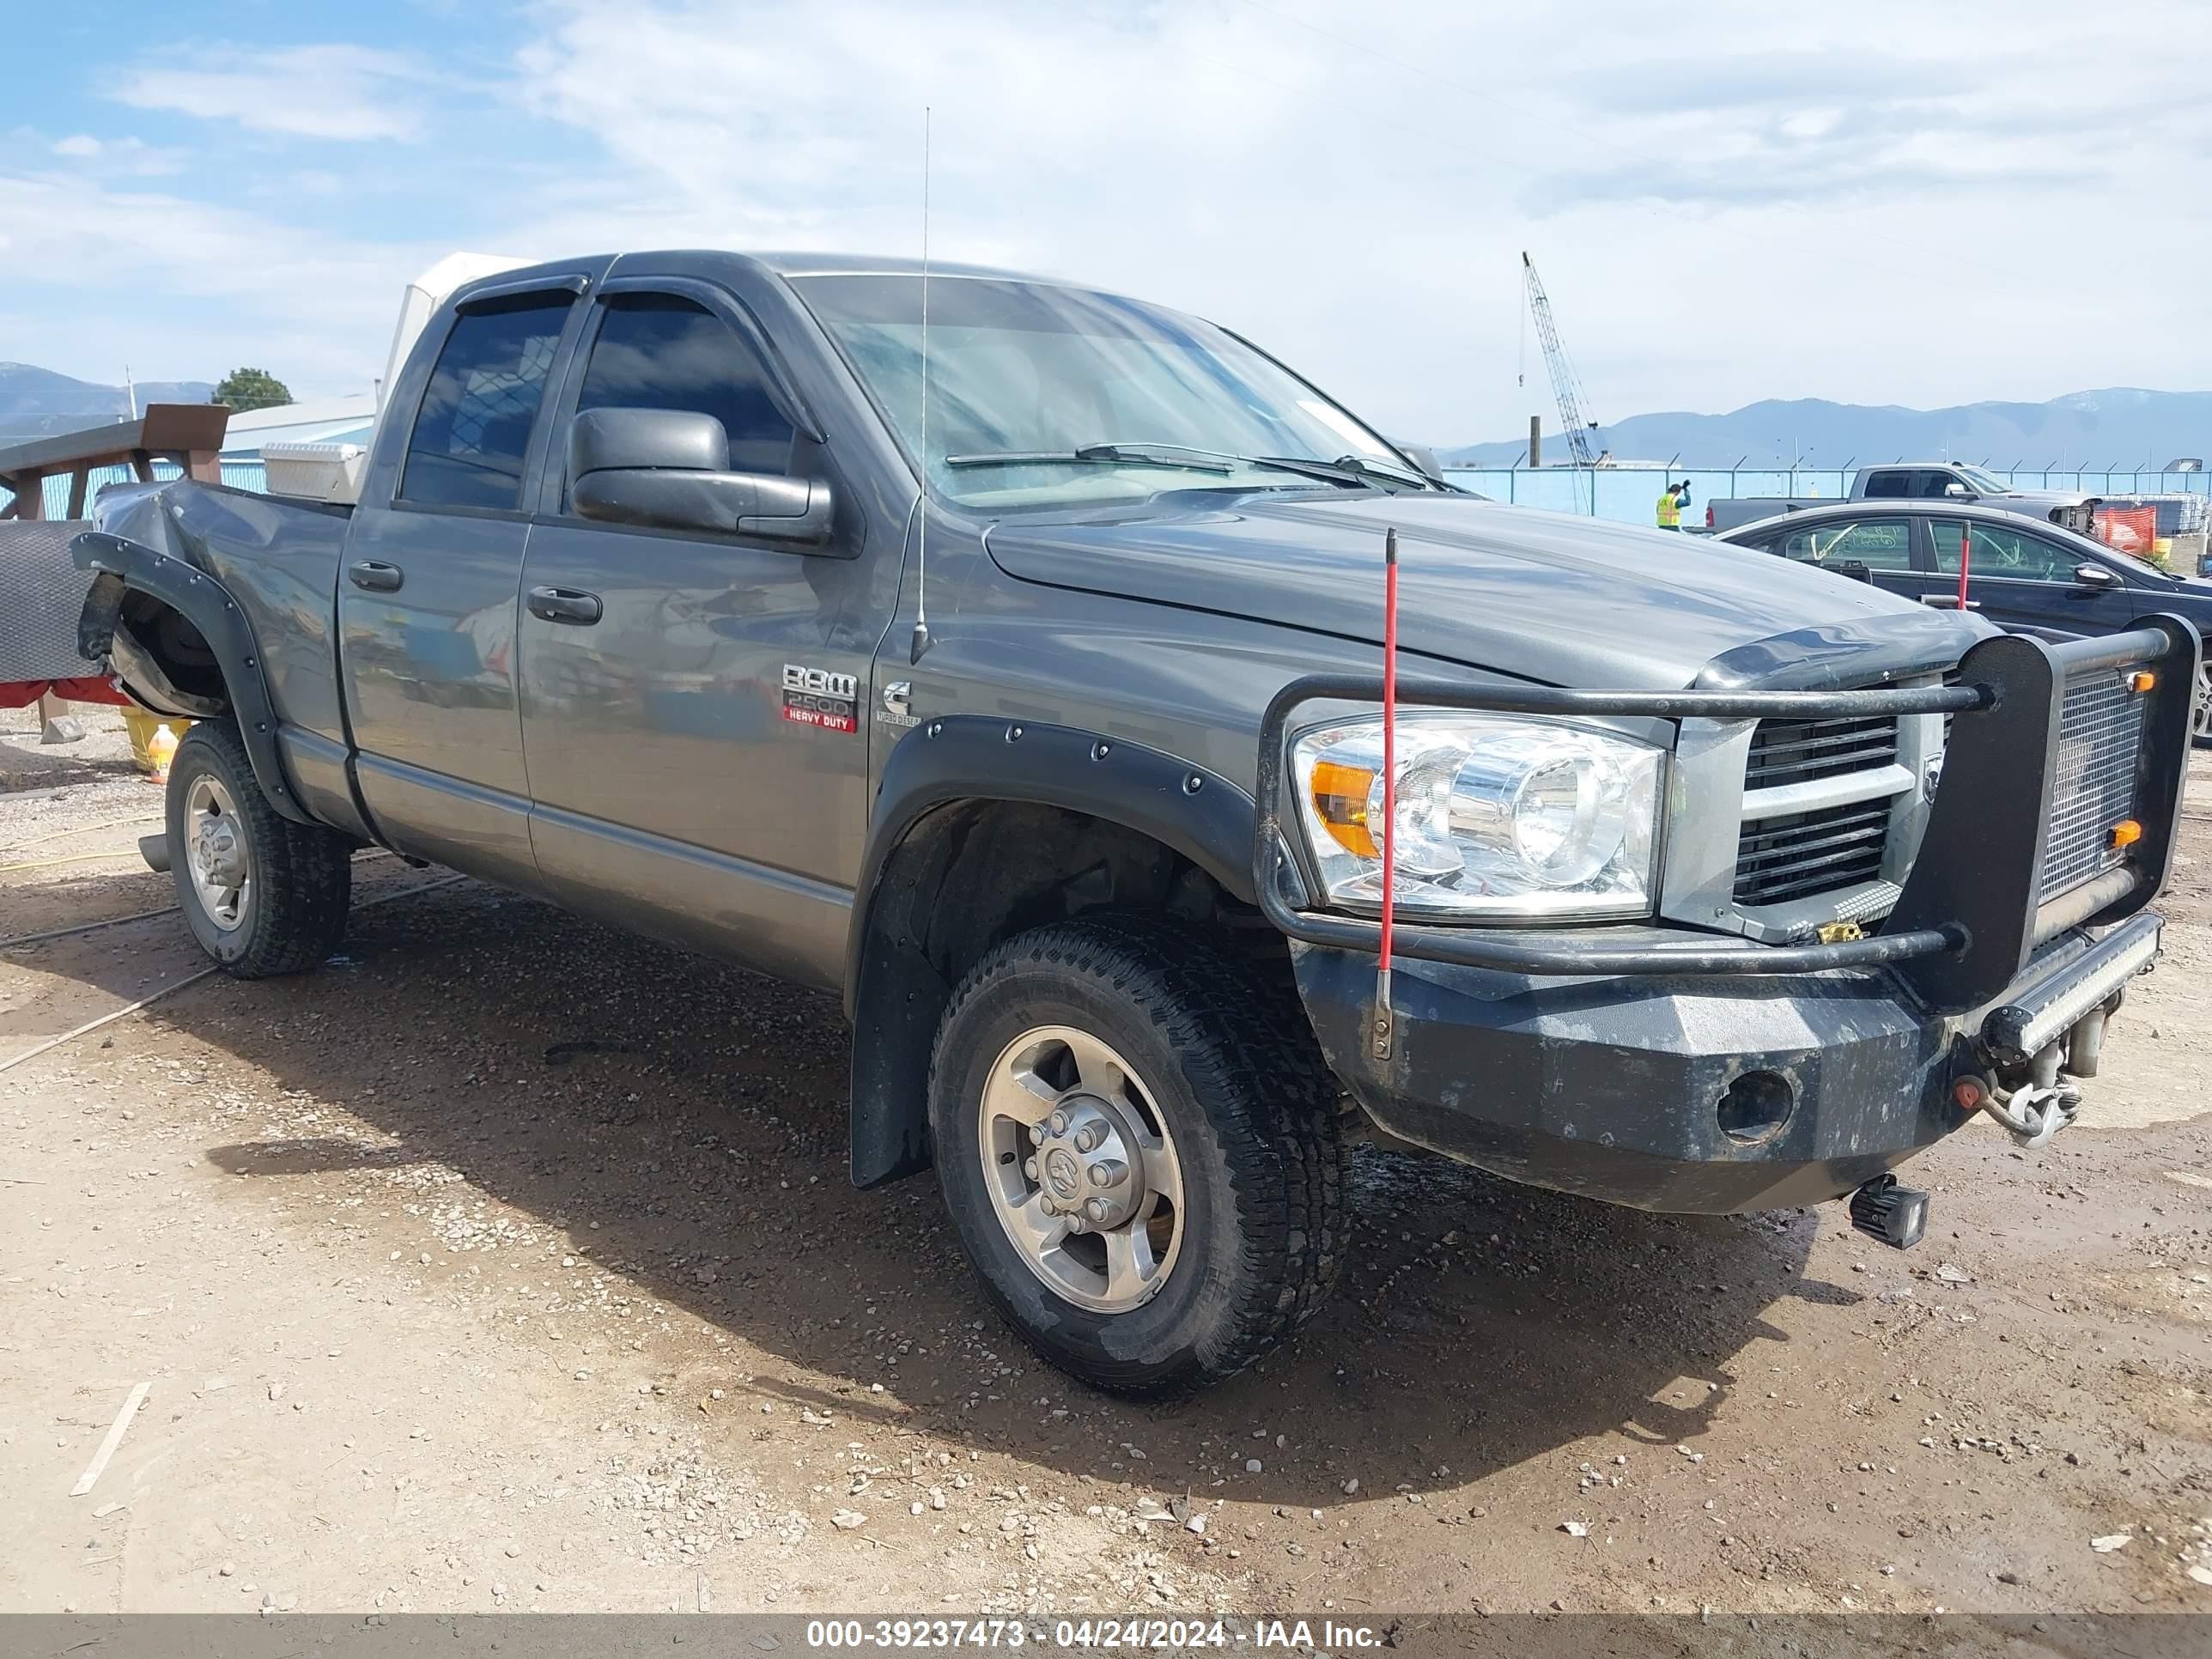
{"type": "Point", "coordinates": [817, 697]}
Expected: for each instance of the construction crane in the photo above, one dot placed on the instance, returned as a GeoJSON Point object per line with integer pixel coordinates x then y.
{"type": "Point", "coordinates": [1580, 432]}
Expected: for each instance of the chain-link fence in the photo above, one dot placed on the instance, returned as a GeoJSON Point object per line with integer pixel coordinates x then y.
{"type": "Point", "coordinates": [1631, 494]}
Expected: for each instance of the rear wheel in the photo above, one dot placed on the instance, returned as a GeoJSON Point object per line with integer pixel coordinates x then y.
{"type": "Point", "coordinates": [1137, 1139]}
{"type": "Point", "coordinates": [2200, 716]}
{"type": "Point", "coordinates": [262, 895]}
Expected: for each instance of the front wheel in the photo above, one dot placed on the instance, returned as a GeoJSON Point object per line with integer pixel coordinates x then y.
{"type": "Point", "coordinates": [262, 895]}
{"type": "Point", "coordinates": [1137, 1139]}
{"type": "Point", "coordinates": [2200, 715]}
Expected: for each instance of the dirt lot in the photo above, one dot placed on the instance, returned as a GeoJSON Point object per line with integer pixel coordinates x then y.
{"type": "Point", "coordinates": [509, 1263]}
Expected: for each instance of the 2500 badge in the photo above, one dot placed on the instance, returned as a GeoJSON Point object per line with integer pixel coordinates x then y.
{"type": "Point", "coordinates": [817, 697]}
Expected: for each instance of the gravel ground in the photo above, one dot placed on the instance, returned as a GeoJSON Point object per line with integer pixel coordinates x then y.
{"type": "Point", "coordinates": [509, 1263]}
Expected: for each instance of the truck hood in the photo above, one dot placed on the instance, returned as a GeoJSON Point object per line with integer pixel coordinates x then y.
{"type": "Point", "coordinates": [2042, 497]}
{"type": "Point", "coordinates": [1545, 597]}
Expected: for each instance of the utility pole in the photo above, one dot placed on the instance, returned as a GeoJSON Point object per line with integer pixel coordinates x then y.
{"type": "Point", "coordinates": [1535, 441]}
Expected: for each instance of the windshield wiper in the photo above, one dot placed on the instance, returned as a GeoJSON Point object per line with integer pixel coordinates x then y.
{"type": "Point", "coordinates": [1102, 455]}
{"type": "Point", "coordinates": [1350, 472]}
{"type": "Point", "coordinates": [1355, 470]}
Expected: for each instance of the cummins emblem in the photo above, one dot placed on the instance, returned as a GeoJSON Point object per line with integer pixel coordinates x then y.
{"type": "Point", "coordinates": [821, 698]}
{"type": "Point", "coordinates": [898, 704]}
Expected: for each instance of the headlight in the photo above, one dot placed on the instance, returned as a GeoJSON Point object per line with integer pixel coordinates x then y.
{"type": "Point", "coordinates": [1497, 817]}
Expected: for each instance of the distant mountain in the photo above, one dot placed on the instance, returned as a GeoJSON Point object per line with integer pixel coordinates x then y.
{"type": "Point", "coordinates": [34, 401]}
{"type": "Point", "coordinates": [2120, 427]}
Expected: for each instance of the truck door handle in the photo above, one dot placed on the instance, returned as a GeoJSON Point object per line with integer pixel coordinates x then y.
{"type": "Point", "coordinates": [563, 604]}
{"type": "Point", "coordinates": [376, 577]}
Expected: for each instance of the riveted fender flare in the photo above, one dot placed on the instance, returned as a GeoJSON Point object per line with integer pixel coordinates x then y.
{"type": "Point", "coordinates": [120, 566]}
{"type": "Point", "coordinates": [893, 994]}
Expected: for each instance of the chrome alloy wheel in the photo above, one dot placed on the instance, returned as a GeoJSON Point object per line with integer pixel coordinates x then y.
{"type": "Point", "coordinates": [2200, 721]}
{"type": "Point", "coordinates": [1081, 1169]}
{"type": "Point", "coordinates": [215, 854]}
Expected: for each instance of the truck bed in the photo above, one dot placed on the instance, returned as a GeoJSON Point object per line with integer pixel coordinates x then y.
{"type": "Point", "coordinates": [278, 557]}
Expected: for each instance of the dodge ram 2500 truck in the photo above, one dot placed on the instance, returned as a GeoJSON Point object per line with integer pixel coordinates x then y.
{"type": "Point", "coordinates": [1024, 686]}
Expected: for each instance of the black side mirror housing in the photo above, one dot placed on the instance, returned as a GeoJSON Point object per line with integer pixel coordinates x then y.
{"type": "Point", "coordinates": [1423, 458]}
{"type": "Point", "coordinates": [668, 469]}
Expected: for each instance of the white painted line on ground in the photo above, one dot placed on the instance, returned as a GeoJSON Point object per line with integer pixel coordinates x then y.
{"type": "Point", "coordinates": [141, 915]}
{"type": "Point", "coordinates": [105, 1019]}
{"type": "Point", "coordinates": [190, 979]}
{"type": "Point", "coordinates": [85, 926]}
{"type": "Point", "coordinates": [114, 1438]}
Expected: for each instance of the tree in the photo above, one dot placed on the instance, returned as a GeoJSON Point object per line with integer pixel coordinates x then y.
{"type": "Point", "coordinates": [252, 388]}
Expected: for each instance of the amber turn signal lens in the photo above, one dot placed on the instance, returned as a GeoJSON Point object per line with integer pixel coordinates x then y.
{"type": "Point", "coordinates": [1341, 794]}
{"type": "Point", "coordinates": [2126, 833]}
{"type": "Point", "coordinates": [2141, 680]}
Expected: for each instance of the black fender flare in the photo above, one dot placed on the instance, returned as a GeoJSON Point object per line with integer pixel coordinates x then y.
{"type": "Point", "coordinates": [894, 996]}
{"type": "Point", "coordinates": [120, 566]}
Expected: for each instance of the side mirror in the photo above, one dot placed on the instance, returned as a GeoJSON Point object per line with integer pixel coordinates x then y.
{"type": "Point", "coordinates": [1957, 491]}
{"type": "Point", "coordinates": [668, 469]}
{"type": "Point", "coordinates": [1423, 458]}
{"type": "Point", "coordinates": [2095, 575]}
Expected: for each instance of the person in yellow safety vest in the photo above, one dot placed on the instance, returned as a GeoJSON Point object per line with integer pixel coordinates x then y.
{"type": "Point", "coordinates": [1672, 501]}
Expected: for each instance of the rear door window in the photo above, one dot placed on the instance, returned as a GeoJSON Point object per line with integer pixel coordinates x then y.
{"type": "Point", "coordinates": [1888, 483]}
{"type": "Point", "coordinates": [2002, 552]}
{"type": "Point", "coordinates": [1877, 544]}
{"type": "Point", "coordinates": [471, 436]}
{"type": "Point", "coordinates": [661, 351]}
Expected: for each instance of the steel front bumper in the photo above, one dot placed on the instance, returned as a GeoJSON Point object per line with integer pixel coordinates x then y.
{"type": "Point", "coordinates": [1672, 1069]}
{"type": "Point", "coordinates": [1618, 1089]}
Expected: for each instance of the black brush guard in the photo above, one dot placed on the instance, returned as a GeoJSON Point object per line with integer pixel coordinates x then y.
{"type": "Point", "coordinates": [1967, 920]}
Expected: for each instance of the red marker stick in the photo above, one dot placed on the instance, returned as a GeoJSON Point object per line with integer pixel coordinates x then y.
{"type": "Point", "coordinates": [1389, 789]}
{"type": "Point", "coordinates": [1965, 547]}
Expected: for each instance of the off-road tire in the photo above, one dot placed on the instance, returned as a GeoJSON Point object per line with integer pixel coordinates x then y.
{"type": "Point", "coordinates": [302, 874]}
{"type": "Point", "coordinates": [1229, 1060]}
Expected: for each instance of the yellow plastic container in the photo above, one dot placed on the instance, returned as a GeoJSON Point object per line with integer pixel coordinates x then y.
{"type": "Point", "coordinates": [143, 724]}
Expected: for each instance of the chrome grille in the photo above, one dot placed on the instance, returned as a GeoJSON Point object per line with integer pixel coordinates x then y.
{"type": "Point", "coordinates": [1781, 859]}
{"type": "Point", "coordinates": [2093, 782]}
{"type": "Point", "coordinates": [1802, 751]}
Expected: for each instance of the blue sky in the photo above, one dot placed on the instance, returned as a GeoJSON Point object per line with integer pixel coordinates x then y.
{"type": "Point", "coordinates": [1884, 203]}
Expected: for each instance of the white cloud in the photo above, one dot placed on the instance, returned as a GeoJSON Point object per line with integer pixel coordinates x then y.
{"type": "Point", "coordinates": [1747, 202]}
{"type": "Point", "coordinates": [182, 290]}
{"type": "Point", "coordinates": [117, 157]}
{"type": "Point", "coordinates": [328, 92]}
{"type": "Point", "coordinates": [1883, 202]}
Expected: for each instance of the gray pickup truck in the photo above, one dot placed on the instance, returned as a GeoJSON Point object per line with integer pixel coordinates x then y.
{"type": "Point", "coordinates": [1951, 481]}
{"type": "Point", "coordinates": [1017, 674]}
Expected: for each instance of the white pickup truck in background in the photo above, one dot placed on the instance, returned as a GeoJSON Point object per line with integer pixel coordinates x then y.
{"type": "Point", "coordinates": [1921, 480]}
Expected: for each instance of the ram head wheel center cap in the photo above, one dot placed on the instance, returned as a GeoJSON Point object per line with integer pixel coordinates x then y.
{"type": "Point", "coordinates": [1086, 1166]}
{"type": "Point", "coordinates": [216, 852]}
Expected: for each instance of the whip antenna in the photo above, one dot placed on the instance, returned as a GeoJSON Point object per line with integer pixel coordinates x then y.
{"type": "Point", "coordinates": [1385, 1018]}
{"type": "Point", "coordinates": [921, 642]}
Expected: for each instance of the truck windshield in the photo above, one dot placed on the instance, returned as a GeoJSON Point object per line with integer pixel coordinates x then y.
{"type": "Point", "coordinates": [1983, 483]}
{"type": "Point", "coordinates": [1043, 396]}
